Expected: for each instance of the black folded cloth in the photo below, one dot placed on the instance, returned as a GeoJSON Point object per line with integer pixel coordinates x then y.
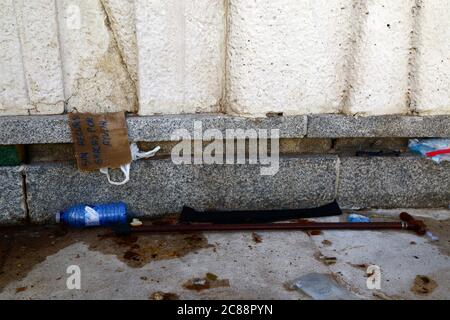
{"type": "Point", "coordinates": [258, 216]}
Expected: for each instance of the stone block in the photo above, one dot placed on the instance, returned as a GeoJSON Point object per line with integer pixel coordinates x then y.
{"type": "Point", "coordinates": [160, 187]}
{"type": "Point", "coordinates": [12, 201]}
{"type": "Point", "coordinates": [393, 182]}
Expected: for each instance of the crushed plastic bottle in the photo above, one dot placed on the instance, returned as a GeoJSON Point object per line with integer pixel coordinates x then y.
{"type": "Point", "coordinates": [357, 218]}
{"type": "Point", "coordinates": [437, 150]}
{"type": "Point", "coordinates": [82, 216]}
{"type": "Point", "coordinates": [321, 287]}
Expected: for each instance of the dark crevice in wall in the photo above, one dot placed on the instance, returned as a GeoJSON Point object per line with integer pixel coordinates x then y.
{"type": "Point", "coordinates": [25, 196]}
{"type": "Point", "coordinates": [333, 144]}
{"type": "Point", "coordinates": [115, 43]}
{"type": "Point", "coordinates": [413, 51]}
{"type": "Point", "coordinates": [61, 55]}
{"type": "Point", "coordinates": [108, 24]}
{"type": "Point", "coordinates": [288, 146]}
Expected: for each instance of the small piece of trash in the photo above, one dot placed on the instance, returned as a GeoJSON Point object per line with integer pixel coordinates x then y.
{"type": "Point", "coordinates": [432, 236]}
{"type": "Point", "coordinates": [326, 259]}
{"type": "Point", "coordinates": [256, 238]}
{"type": "Point", "coordinates": [437, 150]}
{"type": "Point", "coordinates": [199, 282]}
{"type": "Point", "coordinates": [211, 281]}
{"type": "Point", "coordinates": [136, 223]}
{"type": "Point", "coordinates": [159, 296]}
{"type": "Point", "coordinates": [357, 218]}
{"type": "Point", "coordinates": [21, 289]}
{"type": "Point", "coordinates": [211, 277]}
{"type": "Point", "coordinates": [321, 287]}
{"type": "Point", "coordinates": [315, 233]}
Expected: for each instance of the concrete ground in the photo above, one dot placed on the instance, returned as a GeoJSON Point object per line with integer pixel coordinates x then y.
{"type": "Point", "coordinates": [245, 265]}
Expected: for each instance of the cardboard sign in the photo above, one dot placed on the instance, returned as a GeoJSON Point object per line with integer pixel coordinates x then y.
{"type": "Point", "coordinates": [100, 140]}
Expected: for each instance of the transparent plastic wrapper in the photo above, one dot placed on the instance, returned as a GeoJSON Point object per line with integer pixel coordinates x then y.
{"type": "Point", "coordinates": [357, 218]}
{"type": "Point", "coordinates": [437, 150]}
{"type": "Point", "coordinates": [321, 287]}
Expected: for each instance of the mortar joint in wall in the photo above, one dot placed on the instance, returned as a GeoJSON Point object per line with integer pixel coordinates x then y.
{"type": "Point", "coordinates": [338, 177]}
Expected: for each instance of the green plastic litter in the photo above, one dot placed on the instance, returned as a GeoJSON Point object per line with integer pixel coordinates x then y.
{"type": "Point", "coordinates": [9, 156]}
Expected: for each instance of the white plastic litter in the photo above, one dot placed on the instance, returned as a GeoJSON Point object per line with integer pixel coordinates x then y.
{"type": "Point", "coordinates": [136, 154]}
{"type": "Point", "coordinates": [424, 146]}
{"type": "Point", "coordinates": [136, 223]}
{"type": "Point", "coordinates": [432, 236]}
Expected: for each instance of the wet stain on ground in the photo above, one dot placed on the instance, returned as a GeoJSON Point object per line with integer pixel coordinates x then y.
{"type": "Point", "coordinates": [137, 251]}
{"type": "Point", "coordinates": [210, 281]}
{"type": "Point", "coordinates": [164, 296]}
{"type": "Point", "coordinates": [22, 248]}
{"type": "Point", "coordinates": [423, 285]}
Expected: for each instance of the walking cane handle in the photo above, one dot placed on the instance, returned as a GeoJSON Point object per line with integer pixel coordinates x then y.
{"type": "Point", "coordinates": [412, 224]}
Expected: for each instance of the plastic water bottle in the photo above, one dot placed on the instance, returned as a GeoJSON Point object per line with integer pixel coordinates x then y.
{"type": "Point", "coordinates": [81, 216]}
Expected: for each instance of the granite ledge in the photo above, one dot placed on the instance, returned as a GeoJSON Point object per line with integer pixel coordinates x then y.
{"type": "Point", "coordinates": [55, 129]}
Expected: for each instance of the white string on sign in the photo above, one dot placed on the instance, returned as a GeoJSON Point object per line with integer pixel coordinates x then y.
{"type": "Point", "coordinates": [136, 154]}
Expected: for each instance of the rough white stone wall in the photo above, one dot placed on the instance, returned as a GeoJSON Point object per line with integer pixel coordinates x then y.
{"type": "Point", "coordinates": [431, 86]}
{"type": "Point", "coordinates": [244, 57]}
{"type": "Point", "coordinates": [287, 56]}
{"type": "Point", "coordinates": [13, 90]}
{"type": "Point", "coordinates": [95, 74]}
{"type": "Point", "coordinates": [181, 55]}
{"type": "Point", "coordinates": [63, 55]}
{"type": "Point", "coordinates": [122, 18]}
{"type": "Point", "coordinates": [31, 75]}
{"type": "Point", "coordinates": [380, 57]}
